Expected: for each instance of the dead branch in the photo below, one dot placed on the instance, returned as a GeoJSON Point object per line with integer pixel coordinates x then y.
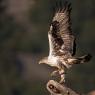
{"type": "Point", "coordinates": [57, 89]}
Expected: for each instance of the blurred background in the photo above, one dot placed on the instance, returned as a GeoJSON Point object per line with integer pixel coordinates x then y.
{"type": "Point", "coordinates": [23, 42]}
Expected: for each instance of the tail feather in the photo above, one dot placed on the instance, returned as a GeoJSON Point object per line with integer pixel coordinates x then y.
{"type": "Point", "coordinates": [79, 60]}
{"type": "Point", "coordinates": [85, 58]}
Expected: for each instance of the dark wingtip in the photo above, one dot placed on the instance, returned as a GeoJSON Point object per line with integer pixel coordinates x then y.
{"type": "Point", "coordinates": [67, 6]}
{"type": "Point", "coordinates": [61, 5]}
{"type": "Point", "coordinates": [88, 57]}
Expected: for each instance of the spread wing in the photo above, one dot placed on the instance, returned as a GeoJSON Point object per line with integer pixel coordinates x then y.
{"type": "Point", "coordinates": [61, 39]}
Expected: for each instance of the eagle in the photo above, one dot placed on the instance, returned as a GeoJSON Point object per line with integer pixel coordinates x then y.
{"type": "Point", "coordinates": [62, 42]}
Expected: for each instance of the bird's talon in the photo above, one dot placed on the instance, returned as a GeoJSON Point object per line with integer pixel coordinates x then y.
{"type": "Point", "coordinates": [62, 81]}
{"type": "Point", "coordinates": [54, 73]}
{"type": "Point", "coordinates": [62, 73]}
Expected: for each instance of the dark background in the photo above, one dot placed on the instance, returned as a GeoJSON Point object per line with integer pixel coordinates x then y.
{"type": "Point", "coordinates": [23, 41]}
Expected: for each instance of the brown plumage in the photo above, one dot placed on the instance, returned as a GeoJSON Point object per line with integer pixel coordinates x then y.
{"type": "Point", "coordinates": [62, 41]}
{"type": "Point", "coordinates": [60, 34]}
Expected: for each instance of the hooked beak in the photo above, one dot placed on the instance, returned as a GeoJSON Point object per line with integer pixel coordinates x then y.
{"type": "Point", "coordinates": [44, 60]}
{"type": "Point", "coordinates": [40, 62]}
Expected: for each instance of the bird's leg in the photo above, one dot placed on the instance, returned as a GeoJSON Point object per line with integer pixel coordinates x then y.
{"type": "Point", "coordinates": [62, 72]}
{"type": "Point", "coordinates": [59, 70]}
{"type": "Point", "coordinates": [54, 73]}
{"type": "Point", "coordinates": [62, 75]}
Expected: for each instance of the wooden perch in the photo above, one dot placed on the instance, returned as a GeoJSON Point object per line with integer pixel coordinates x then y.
{"type": "Point", "coordinates": [57, 89]}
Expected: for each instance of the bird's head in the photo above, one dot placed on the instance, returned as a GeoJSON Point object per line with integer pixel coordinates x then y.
{"type": "Point", "coordinates": [44, 60]}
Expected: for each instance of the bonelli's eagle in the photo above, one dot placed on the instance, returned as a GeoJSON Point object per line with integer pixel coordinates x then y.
{"type": "Point", "coordinates": [62, 41]}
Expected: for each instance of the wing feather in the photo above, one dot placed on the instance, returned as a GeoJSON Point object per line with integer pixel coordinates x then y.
{"type": "Point", "coordinates": [61, 38]}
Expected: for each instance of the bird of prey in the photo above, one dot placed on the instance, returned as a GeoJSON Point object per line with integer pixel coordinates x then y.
{"type": "Point", "coordinates": [62, 42]}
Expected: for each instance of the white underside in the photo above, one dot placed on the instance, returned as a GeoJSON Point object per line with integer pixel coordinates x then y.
{"type": "Point", "coordinates": [52, 60]}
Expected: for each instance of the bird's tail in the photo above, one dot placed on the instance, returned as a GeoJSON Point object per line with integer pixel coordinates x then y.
{"type": "Point", "coordinates": [85, 58]}
{"type": "Point", "coordinates": [80, 60]}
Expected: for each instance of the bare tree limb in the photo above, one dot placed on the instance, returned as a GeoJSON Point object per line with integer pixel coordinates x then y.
{"type": "Point", "coordinates": [57, 89]}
